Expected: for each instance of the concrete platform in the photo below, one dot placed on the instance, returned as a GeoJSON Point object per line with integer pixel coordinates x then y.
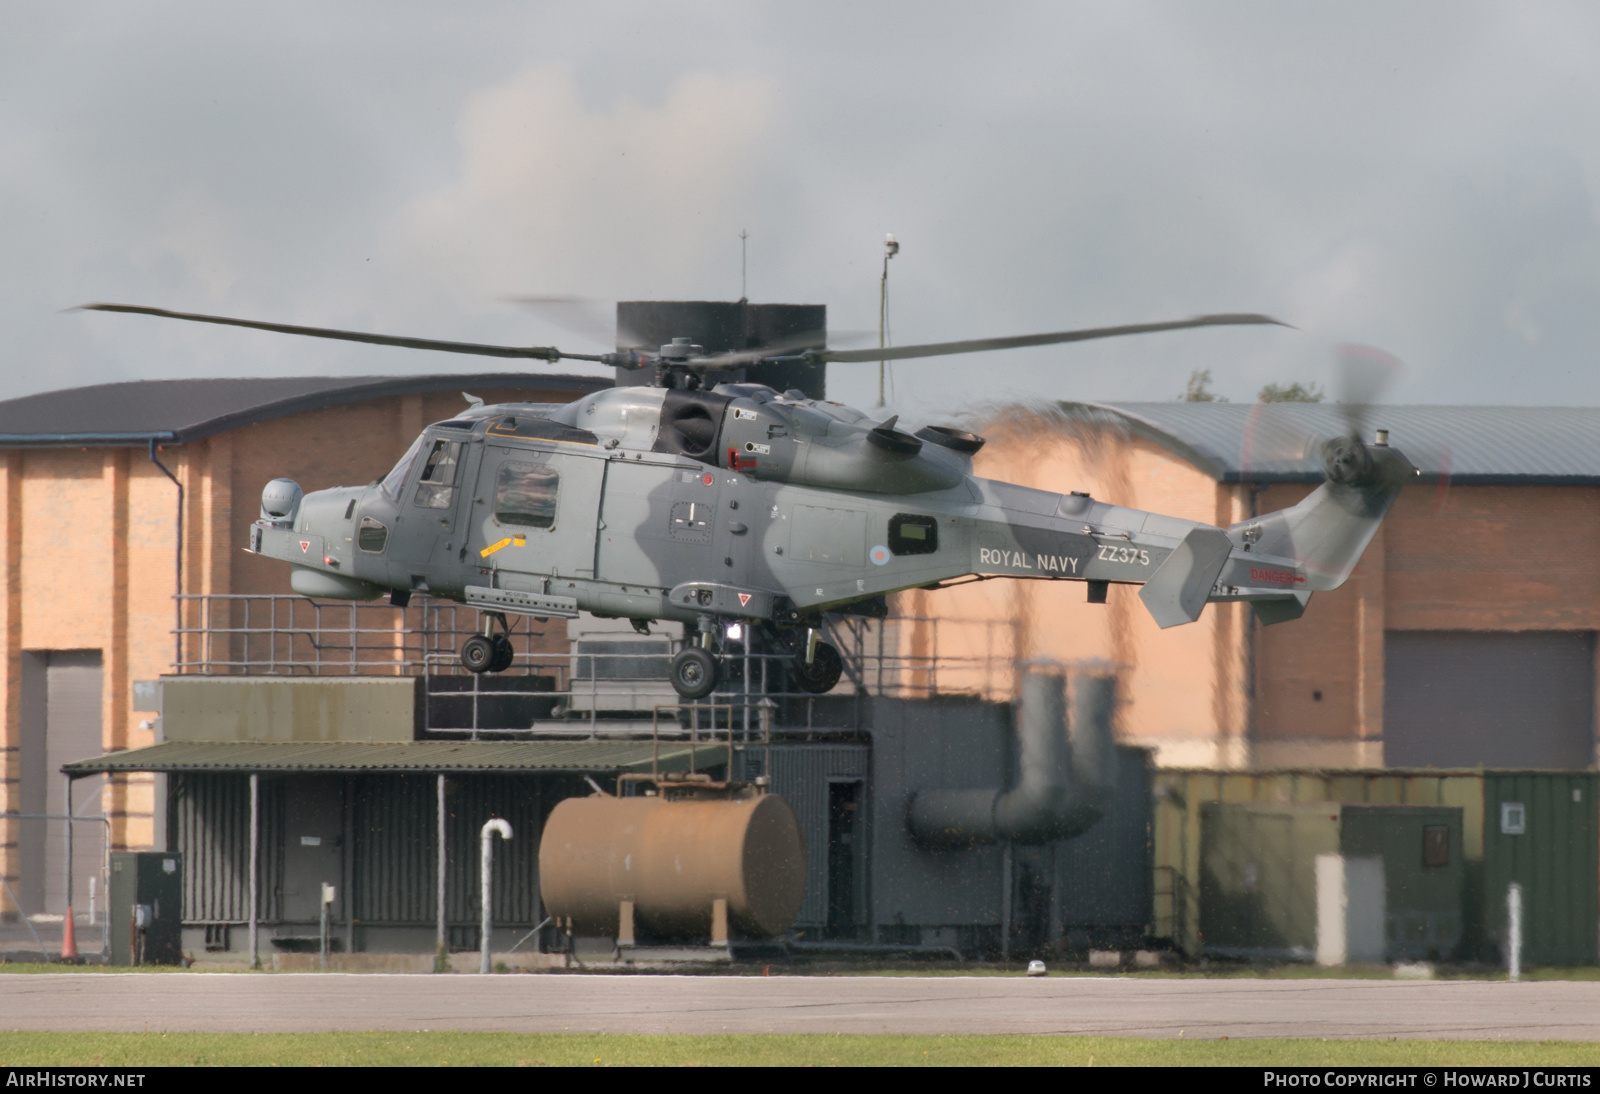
{"type": "Point", "coordinates": [589, 1003]}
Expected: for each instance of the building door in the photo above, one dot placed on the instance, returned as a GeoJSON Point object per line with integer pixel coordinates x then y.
{"type": "Point", "coordinates": [1499, 699]}
{"type": "Point", "coordinates": [61, 707]}
{"type": "Point", "coordinates": [313, 851]}
{"type": "Point", "coordinates": [844, 857]}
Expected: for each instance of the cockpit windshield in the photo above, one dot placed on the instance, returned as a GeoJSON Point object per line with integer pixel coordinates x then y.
{"type": "Point", "coordinates": [396, 479]}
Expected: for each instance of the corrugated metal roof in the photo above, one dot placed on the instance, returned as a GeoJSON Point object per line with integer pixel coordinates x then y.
{"type": "Point", "coordinates": [1280, 442]}
{"type": "Point", "coordinates": [447, 756]}
{"type": "Point", "coordinates": [179, 411]}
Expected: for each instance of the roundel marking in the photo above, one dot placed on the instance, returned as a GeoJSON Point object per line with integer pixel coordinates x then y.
{"type": "Point", "coordinates": [879, 555]}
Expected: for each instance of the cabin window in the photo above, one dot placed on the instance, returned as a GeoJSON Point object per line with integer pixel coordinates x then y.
{"type": "Point", "coordinates": [525, 493]}
{"type": "Point", "coordinates": [371, 535]}
{"type": "Point", "coordinates": [395, 480]}
{"type": "Point", "coordinates": [436, 484]}
{"type": "Point", "coordinates": [913, 535]}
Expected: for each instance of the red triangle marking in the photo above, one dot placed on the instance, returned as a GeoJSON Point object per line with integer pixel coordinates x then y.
{"type": "Point", "coordinates": [305, 545]}
{"type": "Point", "coordinates": [744, 598]}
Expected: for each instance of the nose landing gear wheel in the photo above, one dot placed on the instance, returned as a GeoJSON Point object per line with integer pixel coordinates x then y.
{"type": "Point", "coordinates": [504, 654]}
{"type": "Point", "coordinates": [477, 654]}
{"type": "Point", "coordinates": [693, 673]}
{"type": "Point", "coordinates": [823, 673]}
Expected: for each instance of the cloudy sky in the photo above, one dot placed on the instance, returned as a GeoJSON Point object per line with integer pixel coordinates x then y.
{"type": "Point", "coordinates": [1413, 176]}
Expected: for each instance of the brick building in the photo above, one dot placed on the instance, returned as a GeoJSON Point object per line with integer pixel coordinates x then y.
{"type": "Point", "coordinates": [1466, 636]}
{"type": "Point", "coordinates": [90, 483]}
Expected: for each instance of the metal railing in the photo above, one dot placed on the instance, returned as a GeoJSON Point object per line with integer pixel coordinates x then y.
{"type": "Point", "coordinates": [273, 634]}
{"type": "Point", "coordinates": [557, 684]}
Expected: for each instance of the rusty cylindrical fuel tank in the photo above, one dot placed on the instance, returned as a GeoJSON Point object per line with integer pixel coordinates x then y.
{"type": "Point", "coordinates": [673, 857]}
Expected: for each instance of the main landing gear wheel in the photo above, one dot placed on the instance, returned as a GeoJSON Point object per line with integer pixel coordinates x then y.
{"type": "Point", "coordinates": [478, 654]}
{"type": "Point", "coordinates": [693, 673]}
{"type": "Point", "coordinates": [823, 673]}
{"type": "Point", "coordinates": [504, 653]}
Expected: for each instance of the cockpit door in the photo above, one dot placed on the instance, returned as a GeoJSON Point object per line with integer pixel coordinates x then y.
{"type": "Point", "coordinates": [422, 509]}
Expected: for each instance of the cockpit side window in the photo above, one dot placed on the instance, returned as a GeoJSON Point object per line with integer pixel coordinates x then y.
{"type": "Point", "coordinates": [395, 480]}
{"type": "Point", "coordinates": [436, 484]}
{"type": "Point", "coordinates": [525, 493]}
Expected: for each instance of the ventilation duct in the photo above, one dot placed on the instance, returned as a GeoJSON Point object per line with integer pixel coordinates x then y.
{"type": "Point", "coordinates": [1064, 782]}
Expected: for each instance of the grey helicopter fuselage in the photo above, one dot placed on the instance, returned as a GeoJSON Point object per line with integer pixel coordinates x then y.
{"type": "Point", "coordinates": [744, 503]}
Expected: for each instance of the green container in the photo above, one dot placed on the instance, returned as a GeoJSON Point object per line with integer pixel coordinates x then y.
{"type": "Point", "coordinates": [1258, 887]}
{"type": "Point", "coordinates": [145, 908]}
{"type": "Point", "coordinates": [1556, 857]}
{"type": "Point", "coordinates": [1553, 857]}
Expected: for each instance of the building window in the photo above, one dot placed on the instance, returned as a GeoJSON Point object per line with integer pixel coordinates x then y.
{"type": "Point", "coordinates": [525, 493]}
{"type": "Point", "coordinates": [436, 484]}
{"type": "Point", "coordinates": [913, 535]}
{"type": "Point", "coordinates": [1436, 845]}
{"type": "Point", "coordinates": [1513, 819]}
{"type": "Point", "coordinates": [372, 535]}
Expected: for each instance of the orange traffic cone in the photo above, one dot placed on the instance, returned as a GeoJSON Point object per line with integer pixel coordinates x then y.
{"type": "Point", "coordinates": [69, 940]}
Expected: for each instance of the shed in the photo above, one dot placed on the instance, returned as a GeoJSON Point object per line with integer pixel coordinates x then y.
{"type": "Point", "coordinates": [366, 818]}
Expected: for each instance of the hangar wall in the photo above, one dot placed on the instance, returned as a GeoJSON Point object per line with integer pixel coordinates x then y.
{"type": "Point", "coordinates": [87, 540]}
{"type": "Point", "coordinates": [1185, 691]}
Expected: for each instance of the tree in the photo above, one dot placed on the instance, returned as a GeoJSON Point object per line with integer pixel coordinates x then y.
{"type": "Point", "coordinates": [1292, 393]}
{"type": "Point", "coordinates": [1199, 388]}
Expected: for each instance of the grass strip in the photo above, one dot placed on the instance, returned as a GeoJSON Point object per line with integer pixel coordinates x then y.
{"type": "Point", "coordinates": [25, 1049]}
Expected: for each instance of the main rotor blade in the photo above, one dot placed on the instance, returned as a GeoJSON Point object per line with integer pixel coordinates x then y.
{"type": "Point", "coordinates": [540, 353]}
{"type": "Point", "coordinates": [783, 347]}
{"type": "Point", "coordinates": [584, 316]}
{"type": "Point", "coordinates": [979, 345]}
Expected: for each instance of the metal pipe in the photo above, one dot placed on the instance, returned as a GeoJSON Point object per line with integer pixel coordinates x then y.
{"type": "Point", "coordinates": [490, 828]}
{"type": "Point", "coordinates": [67, 845]}
{"type": "Point", "coordinates": [1064, 781]}
{"type": "Point", "coordinates": [439, 882]}
{"type": "Point", "coordinates": [1006, 885]}
{"type": "Point", "coordinates": [255, 843]}
{"type": "Point", "coordinates": [1514, 931]}
{"type": "Point", "coordinates": [347, 865]}
{"type": "Point", "coordinates": [177, 658]}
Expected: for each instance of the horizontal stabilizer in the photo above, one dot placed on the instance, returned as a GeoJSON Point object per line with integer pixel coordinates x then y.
{"type": "Point", "coordinates": [1176, 593]}
{"type": "Point", "coordinates": [1280, 609]}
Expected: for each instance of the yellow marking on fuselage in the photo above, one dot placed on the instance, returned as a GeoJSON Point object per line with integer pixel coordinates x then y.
{"type": "Point", "coordinates": [509, 541]}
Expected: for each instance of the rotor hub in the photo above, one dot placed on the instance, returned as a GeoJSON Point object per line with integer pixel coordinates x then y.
{"type": "Point", "coordinates": [681, 349]}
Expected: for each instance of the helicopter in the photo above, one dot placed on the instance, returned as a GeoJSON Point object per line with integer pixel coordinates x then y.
{"type": "Point", "coordinates": [711, 503]}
